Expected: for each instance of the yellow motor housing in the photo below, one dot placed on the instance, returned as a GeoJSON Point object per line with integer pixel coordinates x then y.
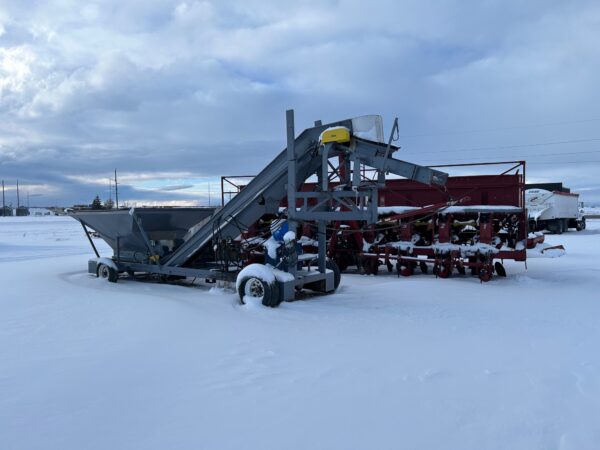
{"type": "Point", "coordinates": [335, 134]}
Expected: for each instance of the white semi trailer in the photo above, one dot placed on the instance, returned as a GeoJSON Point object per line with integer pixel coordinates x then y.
{"type": "Point", "coordinates": [555, 211]}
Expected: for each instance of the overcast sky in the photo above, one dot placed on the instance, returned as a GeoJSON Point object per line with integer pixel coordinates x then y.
{"type": "Point", "coordinates": [175, 94]}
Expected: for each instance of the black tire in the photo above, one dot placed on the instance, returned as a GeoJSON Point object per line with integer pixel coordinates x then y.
{"type": "Point", "coordinates": [499, 268]}
{"type": "Point", "coordinates": [255, 287]}
{"type": "Point", "coordinates": [319, 286]}
{"type": "Point", "coordinates": [274, 300]}
{"type": "Point", "coordinates": [337, 274]}
{"type": "Point", "coordinates": [343, 261]}
{"type": "Point", "coordinates": [107, 272]}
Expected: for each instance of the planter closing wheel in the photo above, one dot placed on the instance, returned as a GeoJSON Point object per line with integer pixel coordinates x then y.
{"type": "Point", "coordinates": [259, 284]}
{"type": "Point", "coordinates": [499, 268]}
{"type": "Point", "coordinates": [406, 269]}
{"type": "Point", "coordinates": [485, 274]}
{"type": "Point", "coordinates": [445, 268]}
{"type": "Point", "coordinates": [107, 272]}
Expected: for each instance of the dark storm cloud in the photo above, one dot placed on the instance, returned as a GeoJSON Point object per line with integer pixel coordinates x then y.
{"type": "Point", "coordinates": [175, 188]}
{"type": "Point", "coordinates": [166, 90]}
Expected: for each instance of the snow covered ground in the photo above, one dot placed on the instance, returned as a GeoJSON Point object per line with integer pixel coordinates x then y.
{"type": "Point", "coordinates": [385, 363]}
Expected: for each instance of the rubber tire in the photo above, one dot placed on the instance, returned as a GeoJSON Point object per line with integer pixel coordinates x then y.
{"type": "Point", "coordinates": [557, 226]}
{"type": "Point", "coordinates": [270, 290]}
{"type": "Point", "coordinates": [107, 272]}
{"type": "Point", "coordinates": [319, 286]}
{"type": "Point", "coordinates": [499, 268]}
{"type": "Point", "coordinates": [275, 301]}
{"type": "Point", "coordinates": [337, 274]}
{"type": "Point", "coordinates": [342, 263]}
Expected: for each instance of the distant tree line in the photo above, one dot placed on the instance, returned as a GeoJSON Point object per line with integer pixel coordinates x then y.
{"type": "Point", "coordinates": [97, 203]}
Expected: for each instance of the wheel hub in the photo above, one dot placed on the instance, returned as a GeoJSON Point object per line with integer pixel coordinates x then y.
{"type": "Point", "coordinates": [255, 288]}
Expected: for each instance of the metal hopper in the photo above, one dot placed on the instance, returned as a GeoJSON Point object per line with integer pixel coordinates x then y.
{"type": "Point", "coordinates": [137, 233]}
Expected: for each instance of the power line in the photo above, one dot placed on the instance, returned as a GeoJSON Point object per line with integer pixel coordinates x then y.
{"type": "Point", "coordinates": [508, 147]}
{"type": "Point", "coordinates": [565, 153]}
{"type": "Point", "coordinates": [562, 162]}
{"type": "Point", "coordinates": [524, 156]}
{"type": "Point", "coordinates": [485, 130]}
{"type": "Point", "coordinates": [532, 163]}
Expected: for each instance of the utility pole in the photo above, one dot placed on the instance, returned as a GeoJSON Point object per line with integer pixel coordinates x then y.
{"type": "Point", "coordinates": [18, 199]}
{"type": "Point", "coordinates": [116, 190]}
{"type": "Point", "coordinates": [3, 201]}
{"type": "Point", "coordinates": [209, 194]}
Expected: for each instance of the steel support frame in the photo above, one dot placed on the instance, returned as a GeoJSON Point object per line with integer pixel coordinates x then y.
{"type": "Point", "coordinates": [302, 158]}
{"type": "Point", "coordinates": [294, 216]}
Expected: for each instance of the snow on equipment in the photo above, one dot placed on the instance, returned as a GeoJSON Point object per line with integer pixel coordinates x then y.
{"type": "Point", "coordinates": [476, 222]}
{"type": "Point", "coordinates": [223, 248]}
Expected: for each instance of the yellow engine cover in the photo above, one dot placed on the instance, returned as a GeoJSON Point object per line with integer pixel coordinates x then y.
{"type": "Point", "coordinates": [335, 134]}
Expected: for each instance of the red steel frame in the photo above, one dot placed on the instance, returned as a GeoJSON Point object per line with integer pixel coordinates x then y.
{"type": "Point", "coordinates": [505, 188]}
{"type": "Point", "coordinates": [482, 190]}
{"type": "Point", "coordinates": [234, 188]}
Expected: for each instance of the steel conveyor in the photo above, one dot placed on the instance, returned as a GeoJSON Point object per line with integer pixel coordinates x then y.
{"type": "Point", "coordinates": [351, 144]}
{"type": "Point", "coordinates": [263, 195]}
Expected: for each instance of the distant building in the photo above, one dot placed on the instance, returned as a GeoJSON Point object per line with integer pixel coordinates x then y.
{"type": "Point", "coordinates": [39, 212]}
{"type": "Point", "coordinates": [81, 207]}
{"type": "Point", "coordinates": [6, 211]}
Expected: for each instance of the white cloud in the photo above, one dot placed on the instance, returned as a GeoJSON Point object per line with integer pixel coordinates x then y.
{"type": "Point", "coordinates": [15, 69]}
{"type": "Point", "coordinates": [201, 87]}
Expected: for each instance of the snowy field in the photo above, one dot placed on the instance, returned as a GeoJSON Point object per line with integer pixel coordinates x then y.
{"type": "Point", "coordinates": [385, 363]}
